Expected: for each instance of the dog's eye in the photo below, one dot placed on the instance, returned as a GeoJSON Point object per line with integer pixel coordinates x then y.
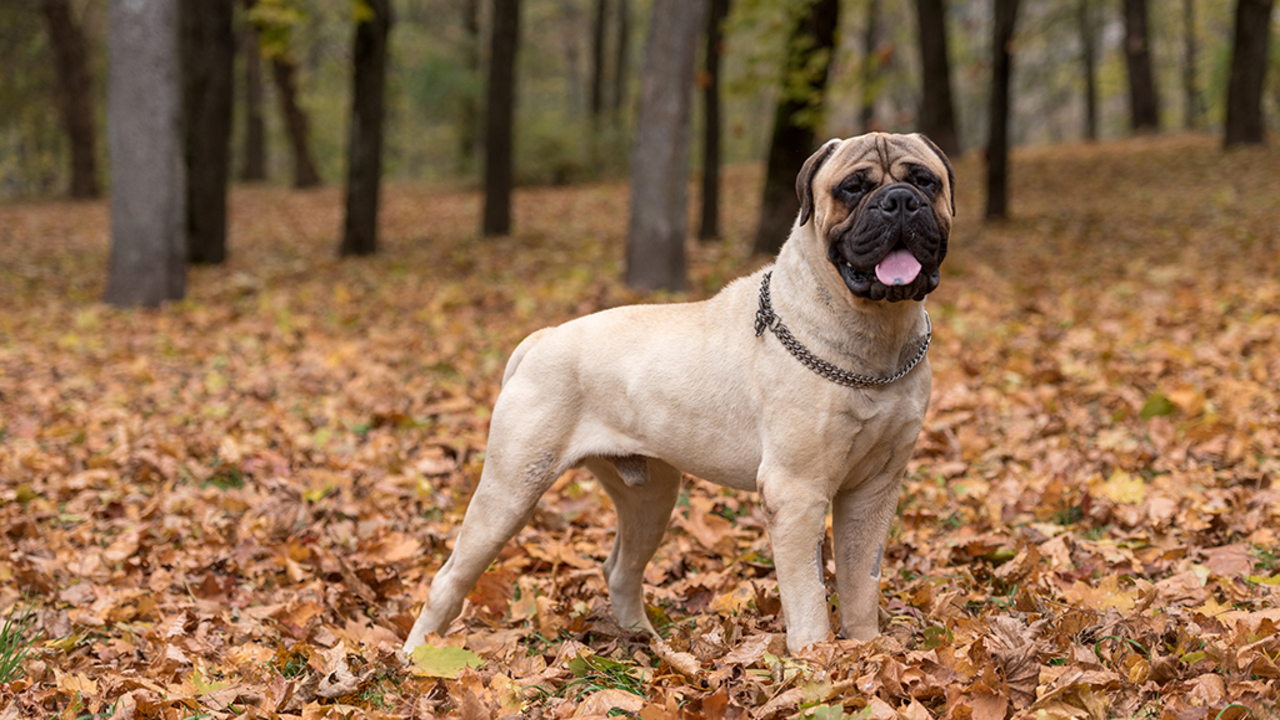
{"type": "Point", "coordinates": [852, 188]}
{"type": "Point", "coordinates": [926, 181]}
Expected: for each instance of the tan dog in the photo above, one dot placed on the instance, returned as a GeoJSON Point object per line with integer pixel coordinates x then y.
{"type": "Point", "coordinates": [638, 394]}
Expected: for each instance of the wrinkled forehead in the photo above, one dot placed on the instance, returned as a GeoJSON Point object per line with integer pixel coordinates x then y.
{"type": "Point", "coordinates": [878, 153]}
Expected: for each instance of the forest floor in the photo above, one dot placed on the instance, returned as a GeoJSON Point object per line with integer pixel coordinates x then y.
{"type": "Point", "coordinates": [232, 506]}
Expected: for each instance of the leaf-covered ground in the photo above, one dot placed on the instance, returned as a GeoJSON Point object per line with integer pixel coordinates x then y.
{"type": "Point", "coordinates": [233, 506]}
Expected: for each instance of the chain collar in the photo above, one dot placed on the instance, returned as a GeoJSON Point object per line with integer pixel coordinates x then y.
{"type": "Point", "coordinates": [766, 318]}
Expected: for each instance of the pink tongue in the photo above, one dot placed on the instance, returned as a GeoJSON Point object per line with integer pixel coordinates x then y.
{"type": "Point", "coordinates": [898, 268]}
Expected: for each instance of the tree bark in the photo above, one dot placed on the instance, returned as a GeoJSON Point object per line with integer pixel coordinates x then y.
{"type": "Point", "coordinates": [75, 96]}
{"type": "Point", "coordinates": [1006, 15]}
{"type": "Point", "coordinates": [364, 144]}
{"type": "Point", "coordinates": [812, 34]}
{"type": "Point", "coordinates": [870, 67]}
{"type": "Point", "coordinates": [1248, 72]}
{"type": "Point", "coordinates": [622, 63]}
{"type": "Point", "coordinates": [658, 220]}
{"type": "Point", "coordinates": [1089, 58]}
{"type": "Point", "coordinates": [709, 229]}
{"type": "Point", "coordinates": [1143, 104]}
{"type": "Point", "coordinates": [499, 153]}
{"type": "Point", "coordinates": [579, 100]}
{"type": "Point", "coordinates": [253, 167]}
{"type": "Point", "coordinates": [469, 103]}
{"type": "Point", "coordinates": [208, 55]}
{"type": "Point", "coordinates": [1193, 115]}
{"type": "Point", "coordinates": [284, 71]}
{"type": "Point", "coordinates": [937, 114]}
{"type": "Point", "coordinates": [599, 22]}
{"type": "Point", "coordinates": [144, 140]}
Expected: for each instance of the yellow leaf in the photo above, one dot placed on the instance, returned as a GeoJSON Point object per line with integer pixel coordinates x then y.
{"type": "Point", "coordinates": [1212, 608]}
{"type": "Point", "coordinates": [735, 602]}
{"type": "Point", "coordinates": [442, 662]}
{"type": "Point", "coordinates": [1122, 488]}
{"type": "Point", "coordinates": [1102, 595]}
{"type": "Point", "coordinates": [203, 686]}
{"type": "Point", "coordinates": [72, 684]}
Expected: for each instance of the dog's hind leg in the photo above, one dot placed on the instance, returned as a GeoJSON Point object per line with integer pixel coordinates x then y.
{"type": "Point", "coordinates": [644, 508]}
{"type": "Point", "coordinates": [510, 486]}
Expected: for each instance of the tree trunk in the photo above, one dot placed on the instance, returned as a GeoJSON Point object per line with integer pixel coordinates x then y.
{"type": "Point", "coordinates": [469, 103]}
{"type": "Point", "coordinates": [1194, 103]}
{"type": "Point", "coordinates": [1137, 52]}
{"type": "Point", "coordinates": [75, 96]}
{"type": "Point", "coordinates": [578, 100]}
{"type": "Point", "coordinates": [1006, 14]}
{"type": "Point", "coordinates": [710, 226]}
{"type": "Point", "coordinates": [660, 156]}
{"type": "Point", "coordinates": [794, 121]}
{"type": "Point", "coordinates": [208, 56]}
{"type": "Point", "coordinates": [284, 71]}
{"type": "Point", "coordinates": [253, 165]}
{"type": "Point", "coordinates": [499, 153]}
{"type": "Point", "coordinates": [622, 64]}
{"type": "Point", "coordinates": [600, 20]}
{"type": "Point", "coordinates": [937, 115]}
{"type": "Point", "coordinates": [144, 139]}
{"type": "Point", "coordinates": [1089, 57]}
{"type": "Point", "coordinates": [364, 144]}
{"type": "Point", "coordinates": [1248, 72]}
{"type": "Point", "coordinates": [870, 67]}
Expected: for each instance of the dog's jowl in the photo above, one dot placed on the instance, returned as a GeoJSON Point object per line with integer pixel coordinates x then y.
{"type": "Point", "coordinates": [807, 382]}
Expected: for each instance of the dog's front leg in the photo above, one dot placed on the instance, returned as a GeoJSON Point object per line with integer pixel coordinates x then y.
{"type": "Point", "coordinates": [796, 517]}
{"type": "Point", "coordinates": [861, 519]}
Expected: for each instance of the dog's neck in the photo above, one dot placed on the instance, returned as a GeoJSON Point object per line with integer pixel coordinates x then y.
{"type": "Point", "coordinates": [874, 337]}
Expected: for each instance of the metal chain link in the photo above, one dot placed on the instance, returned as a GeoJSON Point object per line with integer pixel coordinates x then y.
{"type": "Point", "coordinates": [767, 318]}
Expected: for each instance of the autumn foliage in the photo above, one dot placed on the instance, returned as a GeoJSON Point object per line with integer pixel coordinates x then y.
{"type": "Point", "coordinates": [232, 506]}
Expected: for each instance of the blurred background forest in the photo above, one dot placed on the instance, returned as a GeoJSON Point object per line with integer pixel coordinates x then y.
{"type": "Point", "coordinates": [437, 67]}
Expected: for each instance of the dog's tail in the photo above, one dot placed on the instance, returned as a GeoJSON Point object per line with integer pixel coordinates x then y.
{"type": "Point", "coordinates": [523, 348]}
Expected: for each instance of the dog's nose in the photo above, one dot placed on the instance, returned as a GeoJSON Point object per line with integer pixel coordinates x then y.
{"type": "Point", "coordinates": [898, 201]}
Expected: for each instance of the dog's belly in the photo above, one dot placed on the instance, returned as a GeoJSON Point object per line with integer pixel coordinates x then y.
{"type": "Point", "coordinates": [712, 435]}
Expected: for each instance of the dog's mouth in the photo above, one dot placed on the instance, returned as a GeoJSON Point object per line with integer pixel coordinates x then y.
{"type": "Point", "coordinates": [898, 275]}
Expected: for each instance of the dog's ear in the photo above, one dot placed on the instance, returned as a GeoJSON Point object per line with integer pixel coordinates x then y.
{"type": "Point", "coordinates": [951, 173]}
{"type": "Point", "coordinates": [804, 181]}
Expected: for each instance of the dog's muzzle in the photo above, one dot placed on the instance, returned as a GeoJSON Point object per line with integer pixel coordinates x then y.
{"type": "Point", "coordinates": [891, 246]}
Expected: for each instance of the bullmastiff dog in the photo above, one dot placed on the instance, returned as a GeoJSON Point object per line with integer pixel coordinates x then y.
{"type": "Point", "coordinates": [806, 382]}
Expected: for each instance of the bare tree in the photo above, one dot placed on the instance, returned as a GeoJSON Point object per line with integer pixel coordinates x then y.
{"type": "Point", "coordinates": [1006, 15]}
{"type": "Point", "coordinates": [469, 101]}
{"type": "Point", "coordinates": [599, 22]}
{"type": "Point", "coordinates": [144, 139]}
{"type": "Point", "coordinates": [870, 67]}
{"type": "Point", "coordinates": [1193, 113]}
{"type": "Point", "coordinates": [1089, 58]}
{"type": "Point", "coordinates": [253, 164]}
{"type": "Point", "coordinates": [1143, 103]}
{"type": "Point", "coordinates": [499, 153]}
{"type": "Point", "coordinates": [937, 114]}
{"type": "Point", "coordinates": [75, 95]}
{"type": "Point", "coordinates": [622, 57]}
{"type": "Point", "coordinates": [208, 55]}
{"type": "Point", "coordinates": [660, 156]}
{"type": "Point", "coordinates": [809, 52]}
{"type": "Point", "coordinates": [1248, 72]}
{"type": "Point", "coordinates": [709, 228]}
{"type": "Point", "coordinates": [364, 144]}
{"type": "Point", "coordinates": [284, 70]}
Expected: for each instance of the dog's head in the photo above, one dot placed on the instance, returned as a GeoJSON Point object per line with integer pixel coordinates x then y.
{"type": "Point", "coordinates": [883, 204]}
